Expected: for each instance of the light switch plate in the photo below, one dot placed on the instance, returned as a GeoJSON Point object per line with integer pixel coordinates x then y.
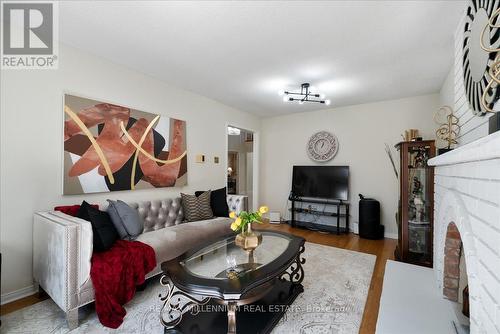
{"type": "Point", "coordinates": [200, 158]}
{"type": "Point", "coordinates": [216, 160]}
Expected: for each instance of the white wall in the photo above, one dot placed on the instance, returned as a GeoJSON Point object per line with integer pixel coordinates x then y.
{"type": "Point", "coordinates": [362, 131]}
{"type": "Point", "coordinates": [447, 92]}
{"type": "Point", "coordinates": [447, 98]}
{"type": "Point", "coordinates": [31, 143]}
{"type": "Point", "coordinates": [249, 178]}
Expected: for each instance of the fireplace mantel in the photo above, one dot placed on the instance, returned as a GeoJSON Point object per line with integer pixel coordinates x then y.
{"type": "Point", "coordinates": [486, 148]}
{"type": "Point", "coordinates": [467, 193]}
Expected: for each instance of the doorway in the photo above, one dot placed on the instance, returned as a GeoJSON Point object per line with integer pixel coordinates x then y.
{"type": "Point", "coordinates": [241, 164]}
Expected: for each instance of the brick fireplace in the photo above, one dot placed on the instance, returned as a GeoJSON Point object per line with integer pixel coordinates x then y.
{"type": "Point", "coordinates": [467, 229]}
{"type": "Point", "coordinates": [453, 270]}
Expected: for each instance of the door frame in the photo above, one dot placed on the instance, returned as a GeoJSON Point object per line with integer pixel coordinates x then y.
{"type": "Point", "coordinates": [255, 164]}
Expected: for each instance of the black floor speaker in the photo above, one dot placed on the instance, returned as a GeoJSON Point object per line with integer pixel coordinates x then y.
{"type": "Point", "coordinates": [369, 219]}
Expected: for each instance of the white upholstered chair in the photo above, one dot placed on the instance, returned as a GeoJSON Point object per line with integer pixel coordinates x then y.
{"type": "Point", "coordinates": [237, 203]}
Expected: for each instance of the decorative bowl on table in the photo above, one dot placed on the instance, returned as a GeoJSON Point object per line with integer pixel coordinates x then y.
{"type": "Point", "coordinates": [247, 239]}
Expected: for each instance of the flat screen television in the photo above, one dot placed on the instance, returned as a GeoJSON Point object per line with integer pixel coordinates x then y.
{"type": "Point", "coordinates": [325, 182]}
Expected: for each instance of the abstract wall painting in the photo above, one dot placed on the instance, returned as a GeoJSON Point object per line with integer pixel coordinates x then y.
{"type": "Point", "coordinates": [108, 147]}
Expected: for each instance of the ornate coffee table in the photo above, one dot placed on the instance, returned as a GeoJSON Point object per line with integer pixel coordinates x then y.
{"type": "Point", "coordinates": [222, 273]}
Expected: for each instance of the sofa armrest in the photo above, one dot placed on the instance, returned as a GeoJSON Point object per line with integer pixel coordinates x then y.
{"type": "Point", "coordinates": [62, 249]}
{"type": "Point", "coordinates": [237, 203]}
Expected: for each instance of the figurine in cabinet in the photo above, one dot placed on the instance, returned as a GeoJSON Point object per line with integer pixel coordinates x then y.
{"type": "Point", "coordinates": [416, 206]}
{"type": "Point", "coordinates": [421, 158]}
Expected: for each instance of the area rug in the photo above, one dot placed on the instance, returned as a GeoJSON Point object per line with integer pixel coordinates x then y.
{"type": "Point", "coordinates": [336, 286]}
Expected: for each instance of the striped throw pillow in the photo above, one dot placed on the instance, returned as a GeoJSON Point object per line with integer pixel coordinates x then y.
{"type": "Point", "coordinates": [196, 208]}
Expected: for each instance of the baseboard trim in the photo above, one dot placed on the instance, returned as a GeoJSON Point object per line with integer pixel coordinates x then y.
{"type": "Point", "coordinates": [390, 235]}
{"type": "Point", "coordinates": [17, 294]}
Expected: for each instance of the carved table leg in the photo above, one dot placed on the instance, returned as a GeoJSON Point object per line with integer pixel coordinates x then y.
{"type": "Point", "coordinates": [295, 273]}
{"type": "Point", "coordinates": [176, 303]}
{"type": "Point", "coordinates": [251, 258]}
{"type": "Point", "coordinates": [231, 318]}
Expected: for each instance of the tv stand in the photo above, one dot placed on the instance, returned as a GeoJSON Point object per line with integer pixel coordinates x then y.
{"type": "Point", "coordinates": [321, 227]}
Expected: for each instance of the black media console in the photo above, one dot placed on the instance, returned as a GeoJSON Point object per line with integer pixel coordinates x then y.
{"type": "Point", "coordinates": [338, 214]}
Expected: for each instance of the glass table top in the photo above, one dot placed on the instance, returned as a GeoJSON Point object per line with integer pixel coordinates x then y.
{"type": "Point", "coordinates": [224, 259]}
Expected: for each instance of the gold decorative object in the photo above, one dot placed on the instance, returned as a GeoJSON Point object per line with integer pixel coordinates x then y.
{"type": "Point", "coordinates": [494, 73]}
{"type": "Point", "coordinates": [410, 134]}
{"type": "Point", "coordinates": [494, 70]}
{"type": "Point", "coordinates": [247, 239]}
{"type": "Point", "coordinates": [449, 127]}
{"type": "Point", "coordinates": [490, 25]}
{"type": "Point", "coordinates": [232, 275]}
{"type": "Point", "coordinates": [480, 46]}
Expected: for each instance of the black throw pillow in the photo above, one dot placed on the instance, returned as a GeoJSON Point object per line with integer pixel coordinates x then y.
{"type": "Point", "coordinates": [218, 202]}
{"type": "Point", "coordinates": [104, 231]}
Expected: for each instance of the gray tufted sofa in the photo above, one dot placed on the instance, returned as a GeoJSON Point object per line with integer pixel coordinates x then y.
{"type": "Point", "coordinates": [62, 248]}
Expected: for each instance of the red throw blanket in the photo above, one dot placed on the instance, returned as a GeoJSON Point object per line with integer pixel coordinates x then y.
{"type": "Point", "coordinates": [115, 274]}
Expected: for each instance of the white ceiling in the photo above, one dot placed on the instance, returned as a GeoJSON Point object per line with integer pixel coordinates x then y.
{"type": "Point", "coordinates": [241, 53]}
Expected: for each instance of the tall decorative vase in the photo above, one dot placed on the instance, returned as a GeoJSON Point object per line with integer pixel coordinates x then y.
{"type": "Point", "coordinates": [248, 240]}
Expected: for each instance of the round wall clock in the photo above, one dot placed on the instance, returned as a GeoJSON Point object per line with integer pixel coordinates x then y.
{"type": "Point", "coordinates": [322, 146]}
{"type": "Point", "coordinates": [476, 61]}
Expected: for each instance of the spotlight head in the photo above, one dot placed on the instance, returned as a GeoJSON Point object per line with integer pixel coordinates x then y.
{"type": "Point", "coordinates": [327, 102]}
{"type": "Point", "coordinates": [286, 98]}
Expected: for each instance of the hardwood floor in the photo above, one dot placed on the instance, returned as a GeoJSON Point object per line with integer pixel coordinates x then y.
{"type": "Point", "coordinates": [21, 303]}
{"type": "Point", "coordinates": [383, 249]}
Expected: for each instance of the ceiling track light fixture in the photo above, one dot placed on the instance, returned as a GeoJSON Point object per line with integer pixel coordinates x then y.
{"type": "Point", "coordinates": [305, 95]}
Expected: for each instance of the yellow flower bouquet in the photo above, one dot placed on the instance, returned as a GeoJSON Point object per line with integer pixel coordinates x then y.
{"type": "Point", "coordinates": [244, 220]}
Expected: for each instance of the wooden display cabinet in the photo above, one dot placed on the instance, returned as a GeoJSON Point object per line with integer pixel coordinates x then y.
{"type": "Point", "coordinates": [416, 203]}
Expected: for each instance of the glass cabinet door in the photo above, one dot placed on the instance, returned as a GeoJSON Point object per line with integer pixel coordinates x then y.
{"type": "Point", "coordinates": [419, 204]}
